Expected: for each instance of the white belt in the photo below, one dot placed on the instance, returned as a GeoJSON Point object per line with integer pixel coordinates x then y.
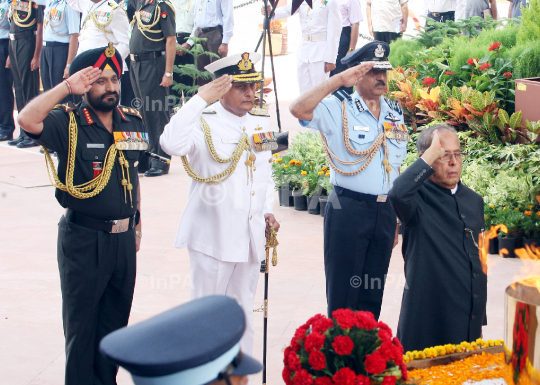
{"type": "Point", "coordinates": [314, 38]}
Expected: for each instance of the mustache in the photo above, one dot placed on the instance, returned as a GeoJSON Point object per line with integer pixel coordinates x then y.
{"type": "Point", "coordinates": [107, 94]}
{"type": "Point", "coordinates": [380, 83]}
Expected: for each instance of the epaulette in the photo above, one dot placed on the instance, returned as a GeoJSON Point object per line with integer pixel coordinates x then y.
{"type": "Point", "coordinates": [257, 111]}
{"type": "Point", "coordinates": [393, 105]}
{"type": "Point", "coordinates": [129, 111]}
{"type": "Point", "coordinates": [341, 95]}
{"type": "Point", "coordinates": [113, 4]}
{"type": "Point", "coordinates": [66, 106]}
{"type": "Point", "coordinates": [209, 110]}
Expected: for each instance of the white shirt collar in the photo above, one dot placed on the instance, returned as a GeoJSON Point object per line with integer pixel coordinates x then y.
{"type": "Point", "coordinates": [454, 189]}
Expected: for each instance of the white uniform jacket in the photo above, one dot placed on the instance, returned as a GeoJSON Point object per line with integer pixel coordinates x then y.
{"type": "Point", "coordinates": [321, 25]}
{"type": "Point", "coordinates": [105, 11]}
{"type": "Point", "coordinates": [226, 220]}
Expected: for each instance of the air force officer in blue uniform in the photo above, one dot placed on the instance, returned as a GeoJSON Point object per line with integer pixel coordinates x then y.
{"type": "Point", "coordinates": [365, 140]}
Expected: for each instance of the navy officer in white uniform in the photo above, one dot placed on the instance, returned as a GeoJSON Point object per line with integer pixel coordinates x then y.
{"type": "Point", "coordinates": [365, 140]}
{"type": "Point", "coordinates": [195, 343]}
{"type": "Point", "coordinates": [230, 197]}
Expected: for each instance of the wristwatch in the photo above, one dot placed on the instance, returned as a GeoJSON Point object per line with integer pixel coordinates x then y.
{"type": "Point", "coordinates": [168, 74]}
{"type": "Point", "coordinates": [138, 233]}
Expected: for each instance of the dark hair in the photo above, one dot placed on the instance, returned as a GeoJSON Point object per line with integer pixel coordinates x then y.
{"type": "Point", "coordinates": [424, 139]}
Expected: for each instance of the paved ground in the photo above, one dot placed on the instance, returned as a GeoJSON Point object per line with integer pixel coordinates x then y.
{"type": "Point", "coordinates": [30, 307]}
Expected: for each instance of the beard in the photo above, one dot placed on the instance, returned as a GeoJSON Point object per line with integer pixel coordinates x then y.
{"type": "Point", "coordinates": [99, 103]}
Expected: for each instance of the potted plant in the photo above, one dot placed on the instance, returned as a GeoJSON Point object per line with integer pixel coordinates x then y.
{"type": "Point", "coordinates": [508, 241]}
{"type": "Point", "coordinates": [531, 228]}
{"type": "Point", "coordinates": [276, 27]}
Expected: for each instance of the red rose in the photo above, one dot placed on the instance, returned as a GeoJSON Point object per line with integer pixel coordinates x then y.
{"type": "Point", "coordinates": [386, 349]}
{"type": "Point", "coordinates": [322, 325]}
{"type": "Point", "coordinates": [314, 341]}
{"type": "Point", "coordinates": [485, 66]}
{"type": "Point", "coordinates": [385, 335]}
{"type": "Point", "coordinates": [389, 380]}
{"type": "Point", "coordinates": [404, 375]}
{"type": "Point", "coordinates": [323, 381]}
{"type": "Point", "coordinates": [294, 362]}
{"type": "Point", "coordinates": [365, 320]}
{"type": "Point", "coordinates": [344, 318]}
{"type": "Point", "coordinates": [362, 380]}
{"type": "Point", "coordinates": [302, 377]}
{"type": "Point", "coordinates": [397, 342]}
{"type": "Point", "coordinates": [286, 353]}
{"type": "Point", "coordinates": [429, 81]}
{"type": "Point", "coordinates": [314, 319]}
{"type": "Point", "coordinates": [397, 355]}
{"type": "Point", "coordinates": [472, 61]}
{"type": "Point", "coordinates": [508, 75]}
{"type": "Point", "coordinates": [344, 376]}
{"type": "Point", "coordinates": [299, 336]}
{"type": "Point", "coordinates": [495, 46]}
{"type": "Point", "coordinates": [317, 360]}
{"type": "Point", "coordinates": [374, 363]}
{"type": "Point", "coordinates": [286, 374]}
{"type": "Point", "coordinates": [343, 345]}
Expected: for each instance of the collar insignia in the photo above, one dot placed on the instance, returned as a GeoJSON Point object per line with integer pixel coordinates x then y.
{"type": "Point", "coordinates": [379, 51]}
{"type": "Point", "coordinates": [87, 115]}
{"type": "Point", "coordinates": [245, 64]}
{"type": "Point", "coordinates": [391, 117]}
{"type": "Point", "coordinates": [359, 105]}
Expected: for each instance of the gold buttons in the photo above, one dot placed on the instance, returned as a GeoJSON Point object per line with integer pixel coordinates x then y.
{"type": "Point", "coordinates": [252, 193]}
{"type": "Point", "coordinates": [251, 216]}
{"type": "Point", "coordinates": [254, 168]}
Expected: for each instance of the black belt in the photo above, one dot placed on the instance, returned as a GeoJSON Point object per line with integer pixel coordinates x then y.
{"type": "Point", "coordinates": [111, 226]}
{"type": "Point", "coordinates": [146, 56]}
{"type": "Point", "coordinates": [220, 27]}
{"type": "Point", "coordinates": [21, 35]}
{"type": "Point", "coordinates": [439, 14]}
{"type": "Point", "coordinates": [54, 44]}
{"type": "Point", "coordinates": [360, 196]}
{"type": "Point", "coordinates": [183, 34]}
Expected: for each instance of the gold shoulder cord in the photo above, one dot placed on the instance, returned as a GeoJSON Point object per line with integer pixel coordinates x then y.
{"type": "Point", "coordinates": [97, 184]}
{"type": "Point", "coordinates": [20, 22]}
{"type": "Point", "coordinates": [53, 26]}
{"type": "Point", "coordinates": [147, 28]}
{"type": "Point", "coordinates": [244, 144]}
{"type": "Point", "coordinates": [366, 155]}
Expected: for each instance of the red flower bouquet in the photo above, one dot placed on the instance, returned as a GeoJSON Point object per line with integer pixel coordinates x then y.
{"type": "Point", "coordinates": [350, 349]}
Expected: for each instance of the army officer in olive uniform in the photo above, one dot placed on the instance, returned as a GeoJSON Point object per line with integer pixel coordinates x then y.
{"type": "Point", "coordinates": [153, 49]}
{"type": "Point", "coordinates": [99, 234]}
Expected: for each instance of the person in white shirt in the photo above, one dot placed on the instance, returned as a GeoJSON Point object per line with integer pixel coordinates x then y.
{"type": "Point", "coordinates": [185, 15]}
{"type": "Point", "coordinates": [352, 16]}
{"type": "Point", "coordinates": [230, 197]}
{"type": "Point", "coordinates": [440, 10]}
{"type": "Point", "coordinates": [321, 29]}
{"type": "Point", "coordinates": [387, 19]}
{"type": "Point", "coordinates": [214, 21]}
{"type": "Point", "coordinates": [469, 8]}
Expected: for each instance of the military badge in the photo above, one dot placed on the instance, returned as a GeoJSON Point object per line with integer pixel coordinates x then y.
{"type": "Point", "coordinates": [359, 105]}
{"type": "Point", "coordinates": [98, 168]}
{"type": "Point", "coordinates": [245, 64]}
{"type": "Point", "coordinates": [131, 141]}
{"type": "Point", "coordinates": [164, 14]}
{"type": "Point", "coordinates": [265, 141]}
{"type": "Point", "coordinates": [396, 131]}
{"type": "Point", "coordinates": [379, 51]}
{"type": "Point", "coordinates": [391, 117]}
{"type": "Point", "coordinates": [145, 16]}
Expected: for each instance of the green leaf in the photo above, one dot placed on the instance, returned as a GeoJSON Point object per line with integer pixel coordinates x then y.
{"type": "Point", "coordinates": [456, 93]}
{"type": "Point", "coordinates": [488, 120]}
{"type": "Point", "coordinates": [445, 92]}
{"type": "Point", "coordinates": [503, 116]}
{"type": "Point", "coordinates": [477, 101]}
{"type": "Point", "coordinates": [515, 119]}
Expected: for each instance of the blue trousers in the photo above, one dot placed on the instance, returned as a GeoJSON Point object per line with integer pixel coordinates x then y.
{"type": "Point", "coordinates": [7, 125]}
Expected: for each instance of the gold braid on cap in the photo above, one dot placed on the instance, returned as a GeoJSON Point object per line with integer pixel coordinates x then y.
{"type": "Point", "coordinates": [365, 155]}
{"type": "Point", "coordinates": [244, 144]}
{"type": "Point", "coordinates": [252, 77]}
{"type": "Point", "coordinates": [98, 183]}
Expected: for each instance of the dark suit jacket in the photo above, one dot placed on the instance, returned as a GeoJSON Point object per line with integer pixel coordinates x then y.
{"type": "Point", "coordinates": [444, 301]}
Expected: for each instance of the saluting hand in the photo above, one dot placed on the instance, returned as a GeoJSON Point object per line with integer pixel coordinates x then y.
{"type": "Point", "coordinates": [351, 76]}
{"type": "Point", "coordinates": [435, 151]}
{"type": "Point", "coordinates": [214, 90]}
{"type": "Point", "coordinates": [81, 81]}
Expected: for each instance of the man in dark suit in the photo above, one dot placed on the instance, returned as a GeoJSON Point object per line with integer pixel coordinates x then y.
{"type": "Point", "coordinates": [444, 300]}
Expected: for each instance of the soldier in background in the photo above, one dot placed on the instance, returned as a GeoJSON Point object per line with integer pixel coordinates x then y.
{"type": "Point", "coordinates": [7, 125]}
{"type": "Point", "coordinates": [153, 50]}
{"type": "Point", "coordinates": [185, 14]}
{"type": "Point", "coordinates": [26, 39]}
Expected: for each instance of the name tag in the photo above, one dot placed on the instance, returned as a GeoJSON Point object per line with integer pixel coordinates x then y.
{"type": "Point", "coordinates": [360, 128]}
{"type": "Point", "coordinates": [229, 141]}
{"type": "Point", "coordinates": [95, 145]}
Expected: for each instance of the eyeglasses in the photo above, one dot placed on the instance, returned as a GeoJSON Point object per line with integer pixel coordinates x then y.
{"type": "Point", "coordinates": [448, 156]}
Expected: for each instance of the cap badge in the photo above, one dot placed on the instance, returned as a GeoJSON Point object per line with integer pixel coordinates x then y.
{"type": "Point", "coordinates": [110, 51]}
{"type": "Point", "coordinates": [379, 52]}
{"type": "Point", "coordinates": [245, 64]}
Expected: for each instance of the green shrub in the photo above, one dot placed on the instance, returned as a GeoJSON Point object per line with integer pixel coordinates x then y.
{"type": "Point", "coordinates": [477, 177]}
{"type": "Point", "coordinates": [530, 28]}
{"type": "Point", "coordinates": [402, 51]}
{"type": "Point", "coordinates": [528, 65]}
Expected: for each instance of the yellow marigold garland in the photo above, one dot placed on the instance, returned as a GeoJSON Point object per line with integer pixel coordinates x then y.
{"type": "Point", "coordinates": [438, 351]}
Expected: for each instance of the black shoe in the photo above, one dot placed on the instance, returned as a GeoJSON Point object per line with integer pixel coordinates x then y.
{"type": "Point", "coordinates": [27, 142]}
{"type": "Point", "coordinates": [156, 172]}
{"type": "Point", "coordinates": [14, 142]}
{"type": "Point", "coordinates": [49, 150]}
{"type": "Point", "coordinates": [4, 137]}
{"type": "Point", "coordinates": [142, 171]}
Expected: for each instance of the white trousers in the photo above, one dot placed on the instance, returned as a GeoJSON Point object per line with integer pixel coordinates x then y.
{"type": "Point", "coordinates": [311, 75]}
{"type": "Point", "coordinates": [210, 276]}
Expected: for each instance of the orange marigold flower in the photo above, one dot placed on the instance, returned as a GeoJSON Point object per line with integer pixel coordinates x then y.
{"type": "Point", "coordinates": [286, 166]}
{"type": "Point", "coordinates": [328, 174]}
{"type": "Point", "coordinates": [305, 184]}
{"type": "Point", "coordinates": [304, 173]}
{"type": "Point", "coordinates": [298, 163]}
{"type": "Point", "coordinates": [325, 169]}
{"type": "Point", "coordinates": [527, 213]}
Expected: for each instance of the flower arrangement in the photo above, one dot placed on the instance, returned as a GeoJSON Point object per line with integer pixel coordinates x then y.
{"type": "Point", "coordinates": [353, 348]}
{"type": "Point", "coordinates": [443, 350]}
